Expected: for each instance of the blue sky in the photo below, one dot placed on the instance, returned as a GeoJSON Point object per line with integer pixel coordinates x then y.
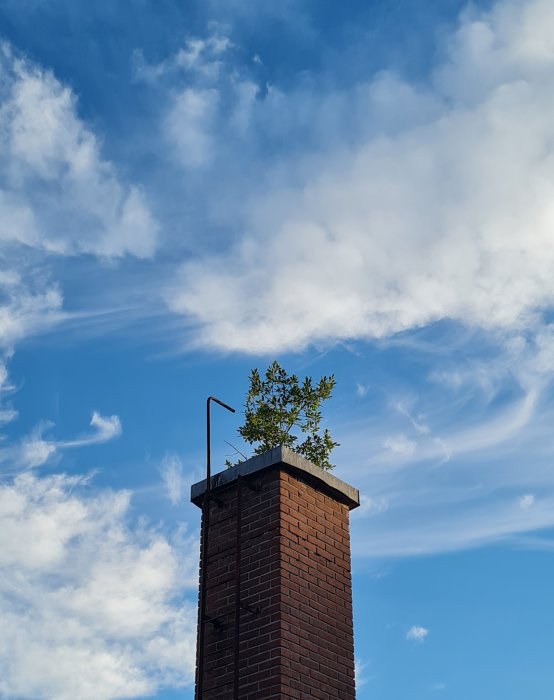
{"type": "Point", "coordinates": [192, 189]}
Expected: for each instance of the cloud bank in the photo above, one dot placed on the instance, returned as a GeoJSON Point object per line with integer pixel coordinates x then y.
{"type": "Point", "coordinates": [442, 213]}
{"type": "Point", "coordinates": [91, 607]}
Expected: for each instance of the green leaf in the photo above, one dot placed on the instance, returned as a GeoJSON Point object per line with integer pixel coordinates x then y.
{"type": "Point", "coordinates": [279, 407]}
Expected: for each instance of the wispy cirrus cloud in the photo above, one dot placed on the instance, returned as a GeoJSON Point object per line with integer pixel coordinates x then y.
{"type": "Point", "coordinates": [362, 390]}
{"type": "Point", "coordinates": [362, 677]}
{"type": "Point", "coordinates": [400, 445]}
{"type": "Point", "coordinates": [7, 412]}
{"type": "Point", "coordinates": [480, 471]}
{"type": "Point", "coordinates": [35, 449]}
{"type": "Point", "coordinates": [171, 470]}
{"type": "Point", "coordinates": [27, 307]}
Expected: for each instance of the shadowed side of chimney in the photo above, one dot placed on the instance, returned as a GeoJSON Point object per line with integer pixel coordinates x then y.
{"type": "Point", "coordinates": [279, 594]}
{"type": "Point", "coordinates": [316, 594]}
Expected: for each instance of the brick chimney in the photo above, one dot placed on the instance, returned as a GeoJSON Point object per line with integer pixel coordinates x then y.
{"type": "Point", "coordinates": [278, 598]}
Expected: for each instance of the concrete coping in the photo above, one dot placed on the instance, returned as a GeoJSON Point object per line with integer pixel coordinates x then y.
{"type": "Point", "coordinates": [287, 459]}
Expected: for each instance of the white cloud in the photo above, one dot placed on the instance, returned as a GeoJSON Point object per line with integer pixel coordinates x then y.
{"type": "Point", "coordinates": [57, 193]}
{"type": "Point", "coordinates": [190, 126]}
{"type": "Point", "coordinates": [400, 445]}
{"type": "Point", "coordinates": [92, 604]}
{"type": "Point", "coordinates": [107, 426]}
{"type": "Point", "coordinates": [7, 412]}
{"type": "Point", "coordinates": [58, 197]}
{"type": "Point", "coordinates": [362, 678]}
{"type": "Point", "coordinates": [418, 424]}
{"type": "Point", "coordinates": [417, 633]}
{"type": "Point", "coordinates": [25, 311]}
{"type": "Point", "coordinates": [199, 57]}
{"type": "Point", "coordinates": [526, 501]}
{"type": "Point", "coordinates": [445, 214]}
{"type": "Point", "coordinates": [362, 390]}
{"type": "Point", "coordinates": [7, 415]}
{"type": "Point", "coordinates": [213, 106]}
{"type": "Point", "coordinates": [34, 450]}
{"type": "Point", "coordinates": [372, 506]}
{"type": "Point", "coordinates": [90, 608]}
{"type": "Point", "coordinates": [429, 519]}
{"type": "Point", "coordinates": [171, 470]}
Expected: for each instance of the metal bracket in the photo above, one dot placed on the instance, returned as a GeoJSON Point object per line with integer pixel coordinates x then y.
{"type": "Point", "coordinates": [253, 485]}
{"type": "Point", "coordinates": [216, 500]}
{"type": "Point", "coordinates": [218, 625]}
{"type": "Point", "coordinates": [250, 608]}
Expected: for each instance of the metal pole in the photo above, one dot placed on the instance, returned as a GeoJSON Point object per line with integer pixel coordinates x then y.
{"type": "Point", "coordinates": [204, 549]}
{"type": "Point", "coordinates": [238, 553]}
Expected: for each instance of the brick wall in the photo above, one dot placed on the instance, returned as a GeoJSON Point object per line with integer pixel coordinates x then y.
{"type": "Point", "coordinates": [316, 594]}
{"type": "Point", "coordinates": [295, 636]}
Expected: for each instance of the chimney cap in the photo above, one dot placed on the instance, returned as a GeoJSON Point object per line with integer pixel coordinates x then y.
{"type": "Point", "coordinates": [292, 462]}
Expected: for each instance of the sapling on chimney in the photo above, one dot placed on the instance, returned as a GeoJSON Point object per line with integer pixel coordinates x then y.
{"type": "Point", "coordinates": [279, 406]}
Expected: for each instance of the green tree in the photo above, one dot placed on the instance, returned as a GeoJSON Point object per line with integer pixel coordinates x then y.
{"type": "Point", "coordinates": [278, 405]}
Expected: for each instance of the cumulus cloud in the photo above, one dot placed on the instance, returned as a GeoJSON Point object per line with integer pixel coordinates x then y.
{"type": "Point", "coordinates": [57, 192]}
{"type": "Point", "coordinates": [91, 609]}
{"type": "Point", "coordinates": [445, 212]}
{"type": "Point", "coordinates": [417, 633]}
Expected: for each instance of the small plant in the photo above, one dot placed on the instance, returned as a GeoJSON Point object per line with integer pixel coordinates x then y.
{"type": "Point", "coordinates": [278, 405]}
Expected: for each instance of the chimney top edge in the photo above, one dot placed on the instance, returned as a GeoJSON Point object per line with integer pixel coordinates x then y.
{"type": "Point", "coordinates": [289, 460]}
